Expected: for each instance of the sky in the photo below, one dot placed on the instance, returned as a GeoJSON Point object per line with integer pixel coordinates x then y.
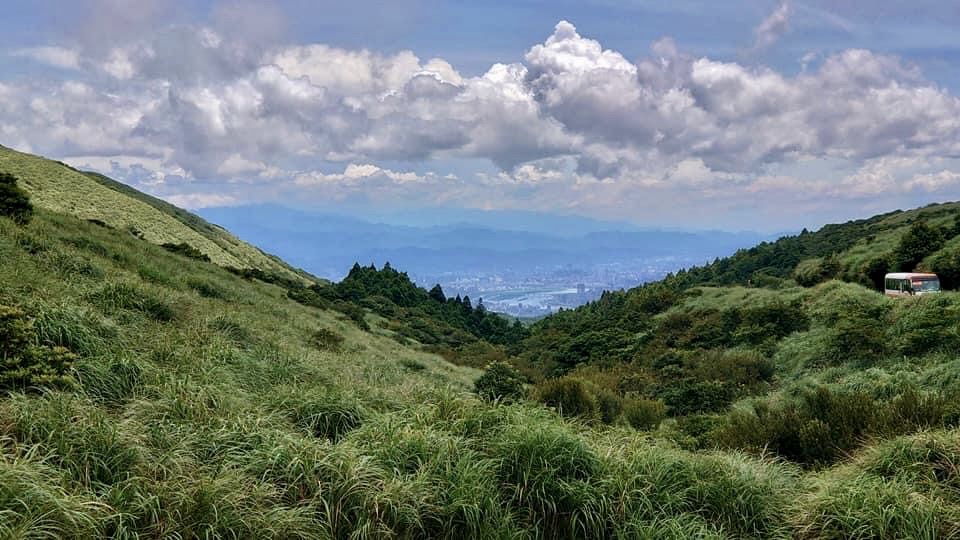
{"type": "Point", "coordinates": [751, 114]}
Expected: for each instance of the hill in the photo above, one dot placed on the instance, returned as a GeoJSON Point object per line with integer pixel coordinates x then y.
{"type": "Point", "coordinates": [788, 347]}
{"type": "Point", "coordinates": [90, 196]}
{"type": "Point", "coordinates": [148, 393]}
{"type": "Point", "coordinates": [467, 248]}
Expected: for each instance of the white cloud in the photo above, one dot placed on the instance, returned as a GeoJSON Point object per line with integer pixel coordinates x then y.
{"type": "Point", "coordinates": [55, 56]}
{"type": "Point", "coordinates": [775, 25]}
{"type": "Point", "coordinates": [194, 201]}
{"type": "Point", "coordinates": [571, 125]}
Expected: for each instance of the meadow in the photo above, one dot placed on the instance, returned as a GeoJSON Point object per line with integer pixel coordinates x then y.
{"type": "Point", "coordinates": [178, 399]}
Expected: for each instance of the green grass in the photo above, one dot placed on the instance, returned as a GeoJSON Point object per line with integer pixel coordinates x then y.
{"type": "Point", "coordinates": [209, 406]}
{"type": "Point", "coordinates": [57, 187]}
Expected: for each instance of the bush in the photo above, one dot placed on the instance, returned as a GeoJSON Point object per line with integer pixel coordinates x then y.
{"type": "Point", "coordinates": [818, 427]}
{"type": "Point", "coordinates": [742, 368]}
{"type": "Point", "coordinates": [813, 271]}
{"type": "Point", "coordinates": [325, 339]}
{"type": "Point", "coordinates": [570, 396]}
{"type": "Point", "coordinates": [874, 272]}
{"type": "Point", "coordinates": [500, 381]}
{"type": "Point", "coordinates": [690, 396]}
{"type": "Point", "coordinates": [186, 250]}
{"type": "Point", "coordinates": [929, 324]}
{"type": "Point", "coordinates": [946, 264]}
{"type": "Point", "coordinates": [23, 365]}
{"type": "Point", "coordinates": [918, 242]}
{"type": "Point", "coordinates": [14, 202]}
{"type": "Point", "coordinates": [644, 414]}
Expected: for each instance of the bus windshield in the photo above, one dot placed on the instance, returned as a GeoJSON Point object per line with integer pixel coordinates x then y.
{"type": "Point", "coordinates": [926, 285]}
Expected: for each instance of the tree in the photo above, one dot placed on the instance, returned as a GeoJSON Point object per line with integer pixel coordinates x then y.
{"type": "Point", "coordinates": [918, 242]}
{"type": "Point", "coordinates": [437, 294]}
{"type": "Point", "coordinates": [500, 381]}
{"type": "Point", "coordinates": [14, 202]}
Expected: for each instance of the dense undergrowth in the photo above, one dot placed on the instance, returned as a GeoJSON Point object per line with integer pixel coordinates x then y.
{"type": "Point", "coordinates": [189, 401]}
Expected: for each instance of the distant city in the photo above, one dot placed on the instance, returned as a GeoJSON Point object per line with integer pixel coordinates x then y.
{"type": "Point", "coordinates": [522, 264]}
{"type": "Point", "coordinates": [539, 293]}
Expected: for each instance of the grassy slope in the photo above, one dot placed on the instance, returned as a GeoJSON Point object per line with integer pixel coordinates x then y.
{"type": "Point", "coordinates": [55, 186]}
{"type": "Point", "coordinates": [224, 421]}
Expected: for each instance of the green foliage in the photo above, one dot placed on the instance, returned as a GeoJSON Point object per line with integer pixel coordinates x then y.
{"type": "Point", "coordinates": [946, 264]}
{"type": "Point", "coordinates": [644, 414]}
{"type": "Point", "coordinates": [691, 396]}
{"type": "Point", "coordinates": [929, 324]}
{"type": "Point", "coordinates": [813, 271]}
{"type": "Point", "coordinates": [822, 425]}
{"type": "Point", "coordinates": [500, 382]}
{"type": "Point", "coordinates": [330, 416]}
{"type": "Point", "coordinates": [208, 289]}
{"type": "Point", "coordinates": [427, 315]}
{"type": "Point", "coordinates": [325, 339]}
{"type": "Point", "coordinates": [127, 296]}
{"type": "Point", "coordinates": [14, 202]}
{"type": "Point", "coordinates": [186, 250]}
{"type": "Point", "coordinates": [224, 422]}
{"type": "Point", "coordinates": [874, 272]}
{"type": "Point", "coordinates": [918, 242]}
{"type": "Point", "coordinates": [24, 365]}
{"type": "Point", "coordinates": [570, 397]}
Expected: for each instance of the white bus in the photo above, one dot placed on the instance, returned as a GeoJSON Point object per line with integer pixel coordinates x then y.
{"type": "Point", "coordinates": [910, 283]}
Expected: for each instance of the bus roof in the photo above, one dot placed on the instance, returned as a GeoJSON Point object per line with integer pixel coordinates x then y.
{"type": "Point", "coordinates": [908, 275]}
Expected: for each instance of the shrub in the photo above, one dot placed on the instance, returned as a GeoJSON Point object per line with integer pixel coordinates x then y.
{"type": "Point", "coordinates": [570, 396]}
{"type": "Point", "coordinates": [817, 427]}
{"type": "Point", "coordinates": [644, 414]}
{"type": "Point", "coordinates": [690, 396]}
{"type": "Point", "coordinates": [741, 368]}
{"type": "Point", "coordinates": [930, 324]}
{"type": "Point", "coordinates": [186, 250]}
{"type": "Point", "coordinates": [918, 242]}
{"type": "Point", "coordinates": [874, 271]}
{"type": "Point", "coordinates": [412, 365]}
{"type": "Point", "coordinates": [946, 264]}
{"type": "Point", "coordinates": [14, 202]}
{"type": "Point", "coordinates": [856, 339]}
{"type": "Point", "coordinates": [500, 381]}
{"type": "Point", "coordinates": [23, 365]}
{"type": "Point", "coordinates": [325, 339]}
{"type": "Point", "coordinates": [810, 272]}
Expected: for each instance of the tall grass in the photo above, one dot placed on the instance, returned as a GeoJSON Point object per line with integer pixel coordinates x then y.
{"type": "Point", "coordinates": [203, 416]}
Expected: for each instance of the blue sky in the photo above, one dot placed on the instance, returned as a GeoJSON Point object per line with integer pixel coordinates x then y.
{"type": "Point", "coordinates": [752, 114]}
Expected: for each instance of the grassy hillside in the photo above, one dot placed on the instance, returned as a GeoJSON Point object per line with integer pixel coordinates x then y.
{"type": "Point", "coordinates": [57, 187]}
{"type": "Point", "coordinates": [149, 395]}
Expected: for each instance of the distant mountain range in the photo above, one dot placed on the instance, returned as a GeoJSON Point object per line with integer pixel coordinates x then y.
{"type": "Point", "coordinates": [467, 241]}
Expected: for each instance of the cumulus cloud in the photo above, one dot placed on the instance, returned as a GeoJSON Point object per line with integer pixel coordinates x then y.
{"type": "Point", "coordinates": [572, 125]}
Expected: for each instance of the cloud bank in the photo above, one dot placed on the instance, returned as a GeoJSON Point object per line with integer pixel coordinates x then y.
{"type": "Point", "coordinates": [573, 126]}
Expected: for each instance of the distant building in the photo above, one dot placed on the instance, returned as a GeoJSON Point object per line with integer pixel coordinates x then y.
{"type": "Point", "coordinates": [581, 288]}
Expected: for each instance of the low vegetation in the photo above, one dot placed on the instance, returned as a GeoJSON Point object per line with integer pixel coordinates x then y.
{"type": "Point", "coordinates": [148, 393]}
